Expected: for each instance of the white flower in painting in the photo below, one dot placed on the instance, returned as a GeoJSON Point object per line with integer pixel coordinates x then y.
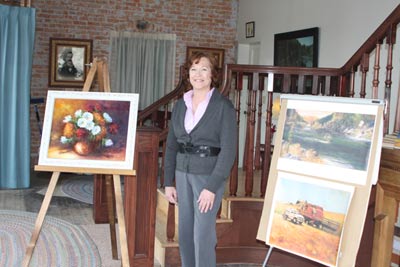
{"type": "Point", "coordinates": [89, 125]}
{"type": "Point", "coordinates": [82, 122]}
{"type": "Point", "coordinates": [108, 142]}
{"type": "Point", "coordinates": [65, 140]}
{"type": "Point", "coordinates": [67, 118]}
{"type": "Point", "coordinates": [107, 117]}
{"type": "Point", "coordinates": [87, 116]}
{"type": "Point", "coordinates": [78, 113]}
{"type": "Point", "coordinates": [96, 130]}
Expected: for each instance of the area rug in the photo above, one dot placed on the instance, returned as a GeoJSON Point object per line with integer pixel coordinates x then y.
{"type": "Point", "coordinates": [79, 188]}
{"type": "Point", "coordinates": [60, 243]}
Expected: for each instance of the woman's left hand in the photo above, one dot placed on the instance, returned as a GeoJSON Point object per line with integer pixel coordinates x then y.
{"type": "Point", "coordinates": [206, 200]}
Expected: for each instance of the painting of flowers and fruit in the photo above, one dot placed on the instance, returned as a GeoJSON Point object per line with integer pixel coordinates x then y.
{"type": "Point", "coordinates": [88, 127]}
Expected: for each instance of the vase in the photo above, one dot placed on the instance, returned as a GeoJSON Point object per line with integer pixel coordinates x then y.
{"type": "Point", "coordinates": [82, 148]}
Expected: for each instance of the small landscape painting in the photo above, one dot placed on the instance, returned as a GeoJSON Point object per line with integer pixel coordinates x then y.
{"type": "Point", "coordinates": [308, 217]}
{"type": "Point", "coordinates": [89, 129]}
{"type": "Point", "coordinates": [330, 138]}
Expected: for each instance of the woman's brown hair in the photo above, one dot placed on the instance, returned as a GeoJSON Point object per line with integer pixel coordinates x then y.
{"type": "Point", "coordinates": [195, 58]}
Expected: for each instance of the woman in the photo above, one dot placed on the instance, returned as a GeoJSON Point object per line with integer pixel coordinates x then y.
{"type": "Point", "coordinates": [201, 149]}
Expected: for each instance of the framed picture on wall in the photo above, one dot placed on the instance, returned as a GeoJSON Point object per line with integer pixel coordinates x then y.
{"type": "Point", "coordinates": [68, 64]}
{"type": "Point", "coordinates": [250, 29]}
{"type": "Point", "coordinates": [216, 52]}
{"type": "Point", "coordinates": [296, 48]}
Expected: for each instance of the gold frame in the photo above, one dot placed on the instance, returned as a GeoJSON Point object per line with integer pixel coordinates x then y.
{"type": "Point", "coordinates": [218, 53]}
{"type": "Point", "coordinates": [82, 56]}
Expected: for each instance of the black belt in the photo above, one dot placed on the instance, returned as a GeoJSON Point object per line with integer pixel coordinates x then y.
{"type": "Point", "coordinates": [202, 151]}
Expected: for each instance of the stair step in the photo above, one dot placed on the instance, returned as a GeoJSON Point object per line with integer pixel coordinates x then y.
{"type": "Point", "coordinates": [161, 242]}
{"type": "Point", "coordinates": [163, 204]}
{"type": "Point", "coordinates": [161, 219]}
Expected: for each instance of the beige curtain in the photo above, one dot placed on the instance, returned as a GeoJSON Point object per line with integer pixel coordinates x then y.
{"type": "Point", "coordinates": [142, 63]}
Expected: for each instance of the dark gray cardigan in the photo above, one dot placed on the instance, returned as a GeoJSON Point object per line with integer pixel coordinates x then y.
{"type": "Point", "coordinates": [217, 128]}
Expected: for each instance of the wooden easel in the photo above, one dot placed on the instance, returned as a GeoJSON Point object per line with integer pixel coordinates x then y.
{"type": "Point", "coordinates": [99, 67]}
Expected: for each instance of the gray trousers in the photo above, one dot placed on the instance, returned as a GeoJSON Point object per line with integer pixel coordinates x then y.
{"type": "Point", "coordinates": [197, 235]}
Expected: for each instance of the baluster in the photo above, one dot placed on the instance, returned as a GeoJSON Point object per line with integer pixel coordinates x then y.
{"type": "Point", "coordinates": [257, 157]}
{"type": "Point", "coordinates": [164, 148]}
{"type": "Point", "coordinates": [250, 147]}
{"type": "Point", "coordinates": [364, 70]}
{"type": "Point", "coordinates": [171, 222]}
{"type": "Point", "coordinates": [233, 181]}
{"type": "Point", "coordinates": [375, 81]}
{"type": "Point", "coordinates": [390, 40]}
{"type": "Point", "coordinates": [268, 137]}
{"type": "Point", "coordinates": [248, 112]}
{"type": "Point", "coordinates": [352, 81]}
{"type": "Point", "coordinates": [166, 117]}
{"type": "Point", "coordinates": [342, 85]}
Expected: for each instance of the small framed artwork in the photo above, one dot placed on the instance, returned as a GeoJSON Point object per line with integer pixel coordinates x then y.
{"type": "Point", "coordinates": [89, 130]}
{"type": "Point", "coordinates": [69, 59]}
{"type": "Point", "coordinates": [326, 138]}
{"type": "Point", "coordinates": [296, 48]}
{"type": "Point", "coordinates": [308, 217]}
{"type": "Point", "coordinates": [218, 53]}
{"type": "Point", "coordinates": [250, 28]}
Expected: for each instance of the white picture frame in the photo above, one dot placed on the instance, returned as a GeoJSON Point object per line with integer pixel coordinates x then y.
{"type": "Point", "coordinates": [353, 143]}
{"type": "Point", "coordinates": [95, 130]}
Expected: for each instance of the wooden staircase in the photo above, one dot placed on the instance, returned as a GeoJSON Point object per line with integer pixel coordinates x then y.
{"type": "Point", "coordinates": [243, 202]}
{"type": "Point", "coordinates": [167, 252]}
{"type": "Point", "coordinates": [237, 214]}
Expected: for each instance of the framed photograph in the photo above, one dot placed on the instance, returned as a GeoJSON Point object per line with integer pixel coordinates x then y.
{"type": "Point", "coordinates": [68, 63]}
{"type": "Point", "coordinates": [216, 52]}
{"type": "Point", "coordinates": [296, 48]}
{"type": "Point", "coordinates": [250, 29]}
{"type": "Point", "coordinates": [328, 138]}
{"type": "Point", "coordinates": [308, 217]}
{"type": "Point", "coordinates": [89, 130]}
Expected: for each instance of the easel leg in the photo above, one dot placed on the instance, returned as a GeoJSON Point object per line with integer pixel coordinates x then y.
{"type": "Point", "coordinates": [121, 221]}
{"type": "Point", "coordinates": [267, 257]}
{"type": "Point", "coordinates": [40, 219]}
{"type": "Point", "coordinates": [111, 216]}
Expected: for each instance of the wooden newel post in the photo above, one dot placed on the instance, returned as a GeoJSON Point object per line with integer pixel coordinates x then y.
{"type": "Point", "coordinates": [140, 196]}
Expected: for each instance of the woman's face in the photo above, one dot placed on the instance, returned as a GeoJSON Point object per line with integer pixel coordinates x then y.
{"type": "Point", "coordinates": [200, 74]}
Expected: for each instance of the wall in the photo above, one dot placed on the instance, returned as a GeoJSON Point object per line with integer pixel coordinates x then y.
{"type": "Point", "coordinates": [206, 23]}
{"type": "Point", "coordinates": [344, 25]}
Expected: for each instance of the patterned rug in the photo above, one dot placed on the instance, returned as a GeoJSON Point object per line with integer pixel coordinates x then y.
{"type": "Point", "coordinates": [79, 188]}
{"type": "Point", "coordinates": [60, 243]}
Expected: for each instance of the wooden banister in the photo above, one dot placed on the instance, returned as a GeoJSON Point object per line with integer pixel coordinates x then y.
{"type": "Point", "coordinates": [296, 80]}
{"type": "Point", "coordinates": [383, 31]}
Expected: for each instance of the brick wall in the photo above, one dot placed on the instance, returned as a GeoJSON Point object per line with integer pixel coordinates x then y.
{"type": "Point", "coordinates": [206, 23]}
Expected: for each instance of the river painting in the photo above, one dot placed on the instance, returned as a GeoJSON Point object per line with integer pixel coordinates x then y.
{"type": "Point", "coordinates": [328, 138]}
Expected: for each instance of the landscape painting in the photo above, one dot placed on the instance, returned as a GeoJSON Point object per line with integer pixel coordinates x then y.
{"type": "Point", "coordinates": [89, 129]}
{"type": "Point", "coordinates": [308, 216]}
{"type": "Point", "coordinates": [327, 138]}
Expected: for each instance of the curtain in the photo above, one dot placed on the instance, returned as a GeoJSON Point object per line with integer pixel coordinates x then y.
{"type": "Point", "coordinates": [17, 33]}
{"type": "Point", "coordinates": [142, 63]}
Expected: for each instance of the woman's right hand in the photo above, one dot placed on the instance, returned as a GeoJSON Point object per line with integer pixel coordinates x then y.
{"type": "Point", "coordinates": [171, 195]}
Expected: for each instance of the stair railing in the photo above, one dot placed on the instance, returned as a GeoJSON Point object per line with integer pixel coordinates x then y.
{"type": "Point", "coordinates": [258, 85]}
